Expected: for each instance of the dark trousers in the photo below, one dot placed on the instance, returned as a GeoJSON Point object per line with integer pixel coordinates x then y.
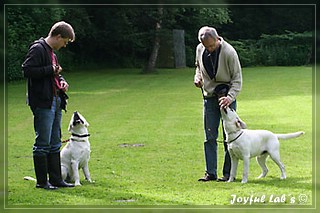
{"type": "Point", "coordinates": [212, 119]}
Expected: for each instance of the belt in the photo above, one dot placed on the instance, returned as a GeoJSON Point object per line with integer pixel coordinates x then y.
{"type": "Point", "coordinates": [211, 97]}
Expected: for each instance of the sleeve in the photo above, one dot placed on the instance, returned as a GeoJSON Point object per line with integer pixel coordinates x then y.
{"type": "Point", "coordinates": [198, 75]}
{"type": "Point", "coordinates": [33, 66]}
{"type": "Point", "coordinates": [236, 76]}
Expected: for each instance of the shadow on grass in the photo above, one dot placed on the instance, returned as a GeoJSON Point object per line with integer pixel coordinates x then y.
{"type": "Point", "coordinates": [292, 182]}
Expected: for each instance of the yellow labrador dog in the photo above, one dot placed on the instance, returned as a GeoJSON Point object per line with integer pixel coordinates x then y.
{"type": "Point", "coordinates": [244, 144]}
{"type": "Point", "coordinates": [76, 153]}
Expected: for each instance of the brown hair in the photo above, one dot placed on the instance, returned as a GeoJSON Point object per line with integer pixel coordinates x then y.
{"type": "Point", "coordinates": [64, 29]}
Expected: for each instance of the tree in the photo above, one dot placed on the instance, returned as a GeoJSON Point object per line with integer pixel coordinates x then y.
{"type": "Point", "coordinates": [25, 25]}
{"type": "Point", "coordinates": [156, 43]}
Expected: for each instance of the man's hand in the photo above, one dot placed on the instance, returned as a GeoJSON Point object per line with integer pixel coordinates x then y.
{"type": "Point", "coordinates": [225, 101]}
{"type": "Point", "coordinates": [57, 69]}
{"type": "Point", "coordinates": [64, 86]}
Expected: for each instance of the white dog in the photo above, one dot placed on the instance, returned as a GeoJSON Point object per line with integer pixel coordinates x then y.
{"type": "Point", "coordinates": [76, 153]}
{"type": "Point", "coordinates": [244, 144]}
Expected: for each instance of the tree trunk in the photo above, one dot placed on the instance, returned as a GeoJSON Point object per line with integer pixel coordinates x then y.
{"type": "Point", "coordinates": [151, 67]}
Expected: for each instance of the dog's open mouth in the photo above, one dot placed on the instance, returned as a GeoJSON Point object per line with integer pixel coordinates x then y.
{"type": "Point", "coordinates": [224, 110]}
{"type": "Point", "coordinates": [77, 119]}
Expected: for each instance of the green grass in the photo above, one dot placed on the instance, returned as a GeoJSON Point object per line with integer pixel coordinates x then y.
{"type": "Point", "coordinates": [164, 113]}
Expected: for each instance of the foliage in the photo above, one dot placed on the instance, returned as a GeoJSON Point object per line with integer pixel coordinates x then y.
{"type": "Point", "coordinates": [286, 49]}
{"type": "Point", "coordinates": [24, 27]}
{"type": "Point", "coordinates": [251, 21]}
{"type": "Point", "coordinates": [283, 50]}
{"type": "Point", "coordinates": [165, 116]}
{"type": "Point", "coordinates": [122, 36]}
{"type": "Point", "coordinates": [105, 36]}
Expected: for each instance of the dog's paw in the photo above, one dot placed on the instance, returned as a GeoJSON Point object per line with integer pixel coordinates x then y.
{"type": "Point", "coordinates": [244, 181]}
{"type": "Point", "coordinates": [90, 181]}
{"type": "Point", "coordinates": [231, 180]}
{"type": "Point", "coordinates": [261, 176]}
{"type": "Point", "coordinates": [77, 184]}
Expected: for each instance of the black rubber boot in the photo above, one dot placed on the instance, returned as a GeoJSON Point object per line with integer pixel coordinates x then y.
{"type": "Point", "coordinates": [54, 169]}
{"type": "Point", "coordinates": [41, 170]}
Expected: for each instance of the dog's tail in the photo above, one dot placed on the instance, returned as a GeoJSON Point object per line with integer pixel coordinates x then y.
{"type": "Point", "coordinates": [289, 135]}
{"type": "Point", "coordinates": [29, 178]}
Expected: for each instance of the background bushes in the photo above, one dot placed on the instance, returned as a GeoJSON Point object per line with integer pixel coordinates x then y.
{"type": "Point", "coordinates": [289, 49]}
{"type": "Point", "coordinates": [123, 37]}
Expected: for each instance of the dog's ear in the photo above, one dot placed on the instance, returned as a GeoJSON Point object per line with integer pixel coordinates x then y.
{"type": "Point", "coordinates": [86, 124]}
{"type": "Point", "coordinates": [70, 126]}
{"type": "Point", "coordinates": [241, 124]}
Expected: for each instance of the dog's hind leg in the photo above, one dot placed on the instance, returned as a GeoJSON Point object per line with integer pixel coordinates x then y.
{"type": "Point", "coordinates": [64, 172]}
{"type": "Point", "coordinates": [275, 156]}
{"type": "Point", "coordinates": [262, 162]}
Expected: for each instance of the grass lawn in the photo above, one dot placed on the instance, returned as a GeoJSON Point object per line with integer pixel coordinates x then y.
{"type": "Point", "coordinates": [163, 114]}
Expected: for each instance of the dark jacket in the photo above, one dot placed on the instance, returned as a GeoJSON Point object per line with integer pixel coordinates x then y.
{"type": "Point", "coordinates": [38, 70]}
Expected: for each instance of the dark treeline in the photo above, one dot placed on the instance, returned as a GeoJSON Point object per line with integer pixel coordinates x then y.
{"type": "Point", "coordinates": [123, 36]}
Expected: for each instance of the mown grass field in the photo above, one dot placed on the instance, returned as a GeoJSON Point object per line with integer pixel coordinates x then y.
{"type": "Point", "coordinates": [162, 113]}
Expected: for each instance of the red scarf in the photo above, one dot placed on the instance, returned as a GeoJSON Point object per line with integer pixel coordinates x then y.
{"type": "Point", "coordinates": [56, 77]}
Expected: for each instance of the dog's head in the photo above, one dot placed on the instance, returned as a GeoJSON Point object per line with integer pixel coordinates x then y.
{"type": "Point", "coordinates": [231, 120]}
{"type": "Point", "coordinates": [78, 124]}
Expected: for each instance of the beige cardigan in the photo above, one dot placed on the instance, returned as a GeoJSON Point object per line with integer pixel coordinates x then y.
{"type": "Point", "coordinates": [229, 70]}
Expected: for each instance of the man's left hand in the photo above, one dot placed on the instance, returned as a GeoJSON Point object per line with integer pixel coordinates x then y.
{"type": "Point", "coordinates": [64, 86]}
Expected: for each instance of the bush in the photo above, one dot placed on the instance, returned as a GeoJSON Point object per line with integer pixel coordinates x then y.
{"type": "Point", "coordinates": [290, 49]}
{"type": "Point", "coordinates": [22, 30]}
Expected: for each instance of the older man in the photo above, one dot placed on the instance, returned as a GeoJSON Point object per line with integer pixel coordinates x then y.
{"type": "Point", "coordinates": [218, 74]}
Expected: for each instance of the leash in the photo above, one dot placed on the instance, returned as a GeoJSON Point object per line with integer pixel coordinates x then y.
{"type": "Point", "coordinates": [65, 141]}
{"type": "Point", "coordinates": [202, 93]}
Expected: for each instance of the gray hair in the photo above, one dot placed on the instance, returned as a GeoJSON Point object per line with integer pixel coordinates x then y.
{"type": "Point", "coordinates": [206, 32]}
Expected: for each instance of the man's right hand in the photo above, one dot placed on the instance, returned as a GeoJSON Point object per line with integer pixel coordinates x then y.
{"type": "Point", "coordinates": [57, 69]}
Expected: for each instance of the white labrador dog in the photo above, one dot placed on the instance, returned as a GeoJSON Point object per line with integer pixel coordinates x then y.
{"type": "Point", "coordinates": [76, 153]}
{"type": "Point", "coordinates": [244, 144]}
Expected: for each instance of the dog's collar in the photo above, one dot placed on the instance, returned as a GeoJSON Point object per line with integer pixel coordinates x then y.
{"type": "Point", "coordinates": [80, 136]}
{"type": "Point", "coordinates": [77, 140]}
{"type": "Point", "coordinates": [236, 137]}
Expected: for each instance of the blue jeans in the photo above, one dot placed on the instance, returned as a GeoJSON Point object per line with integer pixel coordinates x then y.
{"type": "Point", "coordinates": [212, 117]}
{"type": "Point", "coordinates": [47, 126]}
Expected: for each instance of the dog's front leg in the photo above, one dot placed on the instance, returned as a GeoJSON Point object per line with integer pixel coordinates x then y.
{"type": "Point", "coordinates": [246, 162]}
{"type": "Point", "coordinates": [234, 167]}
{"type": "Point", "coordinates": [86, 172]}
{"type": "Point", "coordinates": [75, 166]}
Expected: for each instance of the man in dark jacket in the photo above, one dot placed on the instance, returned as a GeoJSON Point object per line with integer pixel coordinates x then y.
{"type": "Point", "coordinates": [47, 98]}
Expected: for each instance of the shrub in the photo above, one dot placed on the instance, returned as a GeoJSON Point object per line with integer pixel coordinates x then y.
{"type": "Point", "coordinates": [289, 49]}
